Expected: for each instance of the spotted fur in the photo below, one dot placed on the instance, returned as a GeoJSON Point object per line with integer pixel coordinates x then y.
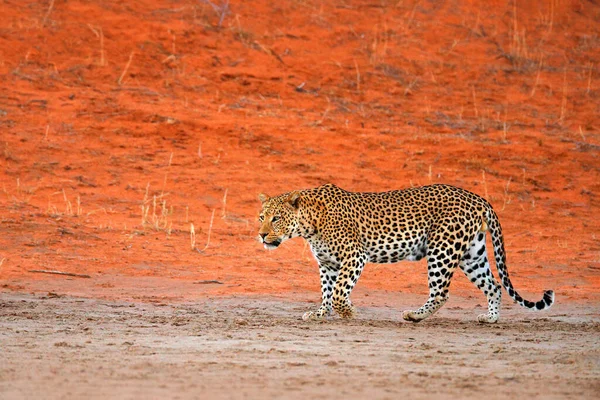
{"type": "Point", "coordinates": [345, 230]}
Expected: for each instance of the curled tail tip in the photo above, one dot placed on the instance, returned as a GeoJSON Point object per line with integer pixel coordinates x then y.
{"type": "Point", "coordinates": [550, 295]}
{"type": "Point", "coordinates": [546, 301]}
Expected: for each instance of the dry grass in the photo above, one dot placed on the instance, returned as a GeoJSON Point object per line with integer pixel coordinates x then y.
{"type": "Point", "coordinates": [212, 218]}
{"type": "Point", "coordinates": [224, 205]}
{"type": "Point", "coordinates": [518, 52]}
{"type": "Point", "coordinates": [120, 80]}
{"type": "Point", "coordinates": [192, 237]}
{"type": "Point", "coordinates": [50, 7]}
{"type": "Point", "coordinates": [100, 35]}
{"type": "Point", "coordinates": [378, 48]}
{"type": "Point", "coordinates": [159, 220]}
{"type": "Point", "coordinates": [485, 188]}
{"type": "Point", "coordinates": [505, 126]}
{"type": "Point", "coordinates": [506, 197]}
{"type": "Point", "coordinates": [537, 76]}
{"type": "Point", "coordinates": [357, 76]}
{"type": "Point", "coordinates": [563, 103]}
{"type": "Point", "coordinates": [221, 10]}
{"type": "Point", "coordinates": [589, 83]}
{"type": "Point", "coordinates": [68, 210]}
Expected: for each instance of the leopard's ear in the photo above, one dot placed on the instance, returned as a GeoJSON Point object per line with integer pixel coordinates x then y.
{"type": "Point", "coordinates": [263, 197]}
{"type": "Point", "coordinates": [293, 199]}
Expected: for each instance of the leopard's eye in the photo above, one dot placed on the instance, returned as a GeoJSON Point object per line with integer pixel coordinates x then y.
{"type": "Point", "coordinates": [275, 219]}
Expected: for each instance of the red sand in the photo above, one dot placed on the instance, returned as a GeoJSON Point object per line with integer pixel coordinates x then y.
{"type": "Point", "coordinates": [105, 107]}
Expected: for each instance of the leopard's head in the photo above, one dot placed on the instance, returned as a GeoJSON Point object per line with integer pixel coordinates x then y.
{"type": "Point", "coordinates": [279, 218]}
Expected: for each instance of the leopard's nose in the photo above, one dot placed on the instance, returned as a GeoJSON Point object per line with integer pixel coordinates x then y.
{"type": "Point", "coordinates": [263, 235]}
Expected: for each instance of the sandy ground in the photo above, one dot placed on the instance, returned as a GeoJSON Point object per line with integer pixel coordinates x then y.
{"type": "Point", "coordinates": [59, 347]}
{"type": "Point", "coordinates": [135, 137]}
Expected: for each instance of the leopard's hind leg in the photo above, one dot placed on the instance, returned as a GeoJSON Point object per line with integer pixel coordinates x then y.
{"type": "Point", "coordinates": [442, 260]}
{"type": "Point", "coordinates": [476, 266]}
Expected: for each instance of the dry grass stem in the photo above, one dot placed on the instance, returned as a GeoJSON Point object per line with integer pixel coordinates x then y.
{"type": "Point", "coordinates": [411, 16]}
{"type": "Point", "coordinates": [224, 202]}
{"type": "Point", "coordinates": [144, 214]}
{"type": "Point", "coordinates": [69, 207]}
{"type": "Point", "coordinates": [120, 81]}
{"type": "Point", "coordinates": [589, 84]}
{"type": "Point", "coordinates": [485, 189]}
{"type": "Point", "coordinates": [507, 198]}
{"type": "Point", "coordinates": [581, 133]}
{"type": "Point", "coordinates": [44, 271]}
{"type": "Point", "coordinates": [505, 126]}
{"type": "Point", "coordinates": [102, 52]}
{"type": "Point", "coordinates": [411, 85]}
{"type": "Point", "coordinates": [475, 102]}
{"type": "Point", "coordinates": [212, 217]}
{"type": "Point", "coordinates": [100, 35]}
{"type": "Point", "coordinates": [537, 77]}
{"type": "Point", "coordinates": [221, 10]}
{"type": "Point", "coordinates": [319, 122]}
{"type": "Point", "coordinates": [50, 7]}
{"type": "Point", "coordinates": [551, 22]}
{"type": "Point", "coordinates": [79, 209]}
{"type": "Point", "coordinates": [357, 76]}
{"type": "Point", "coordinates": [166, 174]}
{"type": "Point", "coordinates": [269, 51]}
{"type": "Point", "coordinates": [192, 237]}
{"type": "Point", "coordinates": [563, 104]}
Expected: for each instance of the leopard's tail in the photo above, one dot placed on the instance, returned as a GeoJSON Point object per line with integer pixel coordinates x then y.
{"type": "Point", "coordinates": [500, 256]}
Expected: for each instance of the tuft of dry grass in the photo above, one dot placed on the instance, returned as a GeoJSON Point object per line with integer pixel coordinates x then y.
{"type": "Point", "coordinates": [518, 42]}
{"type": "Point", "coordinates": [159, 220]}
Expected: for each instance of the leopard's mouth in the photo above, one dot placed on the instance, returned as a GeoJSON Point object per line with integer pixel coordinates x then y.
{"type": "Point", "coordinates": [272, 245]}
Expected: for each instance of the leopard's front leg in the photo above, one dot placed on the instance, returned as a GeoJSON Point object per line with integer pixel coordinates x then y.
{"type": "Point", "coordinates": [348, 276]}
{"type": "Point", "coordinates": [329, 273]}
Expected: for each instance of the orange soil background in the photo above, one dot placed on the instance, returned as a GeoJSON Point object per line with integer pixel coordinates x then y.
{"type": "Point", "coordinates": [123, 124]}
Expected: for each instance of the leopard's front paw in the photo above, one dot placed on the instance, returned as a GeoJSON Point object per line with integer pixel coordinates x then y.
{"type": "Point", "coordinates": [318, 315]}
{"type": "Point", "coordinates": [411, 316]}
{"type": "Point", "coordinates": [488, 318]}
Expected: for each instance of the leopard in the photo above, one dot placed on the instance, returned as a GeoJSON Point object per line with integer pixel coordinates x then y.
{"type": "Point", "coordinates": [345, 230]}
